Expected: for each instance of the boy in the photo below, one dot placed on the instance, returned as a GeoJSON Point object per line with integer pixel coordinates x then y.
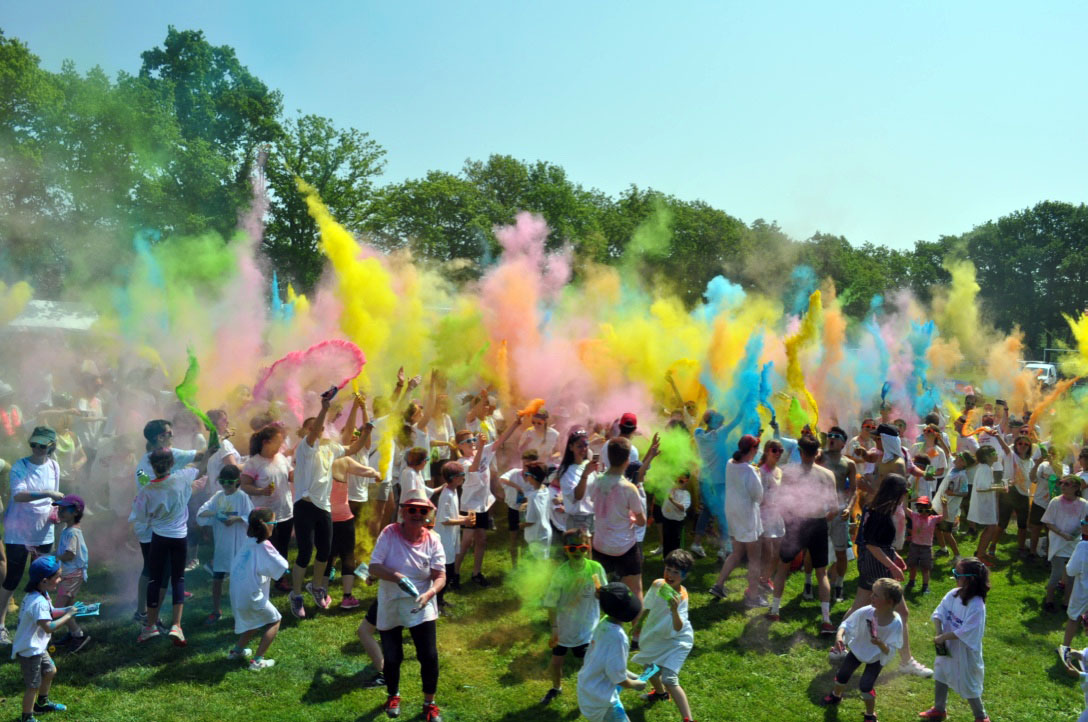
{"type": "Point", "coordinates": [606, 662]}
{"type": "Point", "coordinates": [515, 487]}
{"type": "Point", "coordinates": [571, 601]}
{"type": "Point", "coordinates": [923, 523]}
{"type": "Point", "coordinates": [538, 528]}
{"type": "Point", "coordinates": [663, 632]}
{"type": "Point", "coordinates": [72, 553]}
{"type": "Point", "coordinates": [36, 626]}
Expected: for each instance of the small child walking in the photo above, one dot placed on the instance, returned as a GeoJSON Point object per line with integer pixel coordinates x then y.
{"type": "Point", "coordinates": [38, 619]}
{"type": "Point", "coordinates": [256, 565]}
{"type": "Point", "coordinates": [923, 523]}
{"type": "Point", "coordinates": [605, 668]}
{"type": "Point", "coordinates": [664, 633]}
{"type": "Point", "coordinates": [960, 620]}
{"type": "Point", "coordinates": [226, 512]}
{"type": "Point", "coordinates": [537, 525]}
{"type": "Point", "coordinates": [870, 636]}
{"type": "Point", "coordinates": [72, 553]}
{"type": "Point", "coordinates": [953, 489]}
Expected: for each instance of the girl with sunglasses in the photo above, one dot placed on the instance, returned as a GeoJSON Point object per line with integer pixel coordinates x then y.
{"type": "Point", "coordinates": [1063, 517]}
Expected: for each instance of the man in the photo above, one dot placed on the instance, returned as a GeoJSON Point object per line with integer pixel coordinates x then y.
{"type": "Point", "coordinates": [845, 472]}
{"type": "Point", "coordinates": [809, 502]}
{"type": "Point", "coordinates": [619, 511]}
{"type": "Point", "coordinates": [628, 424]}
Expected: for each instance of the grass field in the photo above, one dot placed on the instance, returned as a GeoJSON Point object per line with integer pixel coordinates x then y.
{"type": "Point", "coordinates": [493, 655]}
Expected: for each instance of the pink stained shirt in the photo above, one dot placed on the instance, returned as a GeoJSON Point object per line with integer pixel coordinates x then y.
{"type": "Point", "coordinates": [338, 501]}
{"type": "Point", "coordinates": [922, 527]}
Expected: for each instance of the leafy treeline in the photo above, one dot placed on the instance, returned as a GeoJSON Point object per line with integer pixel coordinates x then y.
{"type": "Point", "coordinates": [88, 161]}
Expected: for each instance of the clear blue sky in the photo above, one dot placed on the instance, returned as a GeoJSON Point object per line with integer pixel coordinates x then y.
{"type": "Point", "coordinates": [881, 121]}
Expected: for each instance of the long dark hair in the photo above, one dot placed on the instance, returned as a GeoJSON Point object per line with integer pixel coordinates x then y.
{"type": "Point", "coordinates": [266, 432]}
{"type": "Point", "coordinates": [978, 584]}
{"type": "Point", "coordinates": [578, 432]}
{"type": "Point", "coordinates": [257, 520]}
{"type": "Point", "coordinates": [889, 494]}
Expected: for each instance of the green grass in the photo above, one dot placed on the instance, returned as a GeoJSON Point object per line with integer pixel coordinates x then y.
{"type": "Point", "coordinates": [493, 656]}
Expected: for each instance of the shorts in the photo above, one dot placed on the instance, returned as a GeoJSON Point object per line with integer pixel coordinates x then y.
{"type": "Point", "coordinates": [70, 586]}
{"type": "Point", "coordinates": [838, 529]}
{"type": "Point", "coordinates": [34, 667]}
{"type": "Point", "coordinates": [870, 569]}
{"type": "Point", "coordinates": [945, 526]}
{"type": "Point", "coordinates": [372, 613]}
{"type": "Point", "coordinates": [384, 490]}
{"type": "Point", "coordinates": [219, 576]}
{"type": "Point", "coordinates": [513, 519]}
{"type": "Point", "coordinates": [920, 556]}
{"type": "Point", "coordinates": [1057, 571]}
{"type": "Point", "coordinates": [1035, 516]}
{"type": "Point", "coordinates": [579, 652]}
{"type": "Point", "coordinates": [1009, 503]}
{"type": "Point", "coordinates": [805, 535]}
{"type": "Point", "coordinates": [628, 564]}
{"type": "Point", "coordinates": [483, 521]}
{"type": "Point", "coordinates": [669, 677]}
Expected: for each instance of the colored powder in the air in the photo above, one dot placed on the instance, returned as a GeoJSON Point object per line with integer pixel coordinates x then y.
{"type": "Point", "coordinates": [926, 396]}
{"type": "Point", "coordinates": [802, 283]}
{"type": "Point", "coordinates": [956, 310]}
{"type": "Point", "coordinates": [678, 456]}
{"type": "Point", "coordinates": [1042, 410]}
{"type": "Point", "coordinates": [806, 335]}
{"type": "Point", "coordinates": [187, 391]}
{"type": "Point", "coordinates": [334, 362]}
{"type": "Point", "coordinates": [530, 580]}
{"type": "Point", "coordinates": [1076, 363]}
{"type": "Point", "coordinates": [13, 300]}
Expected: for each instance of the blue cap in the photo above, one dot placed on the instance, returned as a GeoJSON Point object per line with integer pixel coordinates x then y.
{"type": "Point", "coordinates": [43, 568]}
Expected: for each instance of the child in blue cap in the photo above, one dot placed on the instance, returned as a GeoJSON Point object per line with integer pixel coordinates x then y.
{"type": "Point", "coordinates": [37, 621]}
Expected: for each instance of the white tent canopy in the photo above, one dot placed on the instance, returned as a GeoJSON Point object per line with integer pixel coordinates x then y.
{"type": "Point", "coordinates": [60, 315]}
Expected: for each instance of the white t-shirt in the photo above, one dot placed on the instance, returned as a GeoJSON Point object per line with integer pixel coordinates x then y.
{"type": "Point", "coordinates": [255, 566]}
{"type": "Point", "coordinates": [449, 534]}
{"type": "Point", "coordinates": [162, 507]}
{"type": "Point", "coordinates": [1018, 473]}
{"type": "Point", "coordinates": [228, 538]}
{"type": "Point", "coordinates": [182, 458]}
{"type": "Point", "coordinates": [743, 495]}
{"type": "Point", "coordinates": [415, 561]}
{"type": "Point", "coordinates": [374, 453]}
{"type": "Point", "coordinates": [410, 480]}
{"type": "Point", "coordinates": [962, 668]}
{"type": "Point", "coordinates": [440, 428]}
{"type": "Point", "coordinates": [659, 643]}
{"type": "Point", "coordinates": [218, 460]}
{"type": "Point", "coordinates": [536, 513]}
{"type": "Point", "coordinates": [857, 638]}
{"type": "Point", "coordinates": [605, 667]}
{"type": "Point", "coordinates": [567, 484]}
{"type": "Point", "coordinates": [616, 501]}
{"type": "Point", "coordinates": [543, 443]}
{"type": "Point", "coordinates": [30, 639]}
{"type": "Point", "coordinates": [71, 540]}
{"type": "Point", "coordinates": [313, 472]}
{"type": "Point", "coordinates": [27, 522]}
{"type": "Point", "coordinates": [476, 491]}
{"type": "Point", "coordinates": [517, 478]}
{"type": "Point", "coordinates": [1066, 515]}
{"type": "Point", "coordinates": [572, 593]}
{"type": "Point", "coordinates": [955, 481]}
{"type": "Point", "coordinates": [856, 449]}
{"type": "Point", "coordinates": [1042, 482]}
{"type": "Point", "coordinates": [938, 460]}
{"type": "Point", "coordinates": [276, 471]}
{"type": "Point", "coordinates": [682, 498]}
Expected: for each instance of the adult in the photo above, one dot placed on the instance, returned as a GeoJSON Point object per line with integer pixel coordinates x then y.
{"type": "Point", "coordinates": [577, 474]}
{"type": "Point", "coordinates": [35, 485]}
{"type": "Point", "coordinates": [410, 565]}
{"type": "Point", "coordinates": [838, 529]}
{"type": "Point", "coordinates": [540, 436]}
{"type": "Point", "coordinates": [267, 477]}
{"type": "Point", "coordinates": [932, 447]}
{"type": "Point", "coordinates": [313, 509]}
{"type": "Point", "coordinates": [743, 496]}
{"type": "Point", "coordinates": [808, 504]}
{"type": "Point", "coordinates": [712, 479]}
{"type": "Point", "coordinates": [619, 511]}
{"type": "Point", "coordinates": [626, 427]}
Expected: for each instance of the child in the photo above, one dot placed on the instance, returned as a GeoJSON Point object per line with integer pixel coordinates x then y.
{"type": "Point", "coordinates": [872, 634]}
{"type": "Point", "coordinates": [923, 523]}
{"type": "Point", "coordinates": [983, 509]}
{"type": "Point", "coordinates": [36, 626]}
{"type": "Point", "coordinates": [663, 632]}
{"type": "Point", "coordinates": [1077, 658]}
{"type": "Point", "coordinates": [254, 569]}
{"type": "Point", "coordinates": [572, 605]}
{"type": "Point", "coordinates": [72, 552]}
{"type": "Point", "coordinates": [606, 661]}
{"type": "Point", "coordinates": [344, 522]}
{"type": "Point", "coordinates": [674, 511]}
{"type": "Point", "coordinates": [449, 522]}
{"type": "Point", "coordinates": [1077, 568]}
{"type": "Point", "coordinates": [951, 493]}
{"type": "Point", "coordinates": [515, 487]}
{"type": "Point", "coordinates": [226, 513]}
{"type": "Point", "coordinates": [960, 620]}
{"type": "Point", "coordinates": [538, 528]}
{"type": "Point", "coordinates": [1046, 475]}
{"type": "Point", "coordinates": [1063, 517]}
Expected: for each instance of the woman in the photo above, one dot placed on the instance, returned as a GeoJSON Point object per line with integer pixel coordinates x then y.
{"type": "Point", "coordinates": [540, 436]}
{"type": "Point", "coordinates": [35, 484]}
{"type": "Point", "coordinates": [774, 526]}
{"type": "Point", "coordinates": [267, 477]}
{"type": "Point", "coordinates": [440, 429]}
{"type": "Point", "coordinates": [743, 495]}
{"type": "Point", "coordinates": [410, 565]}
{"type": "Point", "coordinates": [574, 472]}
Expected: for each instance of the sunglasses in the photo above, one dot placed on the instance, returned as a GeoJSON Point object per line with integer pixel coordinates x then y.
{"type": "Point", "coordinates": [576, 547]}
{"type": "Point", "coordinates": [775, 451]}
{"type": "Point", "coordinates": [869, 428]}
{"type": "Point", "coordinates": [836, 436]}
{"type": "Point", "coordinates": [38, 446]}
{"type": "Point", "coordinates": [469, 440]}
{"type": "Point", "coordinates": [415, 510]}
{"type": "Point", "coordinates": [454, 476]}
{"type": "Point", "coordinates": [960, 575]}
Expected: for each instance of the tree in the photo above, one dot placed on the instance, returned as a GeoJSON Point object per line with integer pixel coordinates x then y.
{"type": "Point", "coordinates": [341, 165]}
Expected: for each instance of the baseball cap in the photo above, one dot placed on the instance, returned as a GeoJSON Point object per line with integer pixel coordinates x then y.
{"type": "Point", "coordinates": [43, 568]}
{"type": "Point", "coordinates": [43, 435]}
{"type": "Point", "coordinates": [73, 500]}
{"type": "Point", "coordinates": [629, 420]}
{"type": "Point", "coordinates": [922, 500]}
{"type": "Point", "coordinates": [618, 602]}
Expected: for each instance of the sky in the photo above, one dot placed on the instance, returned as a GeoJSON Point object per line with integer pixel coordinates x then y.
{"type": "Point", "coordinates": [882, 122]}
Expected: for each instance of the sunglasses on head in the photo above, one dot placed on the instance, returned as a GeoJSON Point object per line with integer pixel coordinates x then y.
{"type": "Point", "coordinates": [576, 547]}
{"type": "Point", "coordinates": [416, 510]}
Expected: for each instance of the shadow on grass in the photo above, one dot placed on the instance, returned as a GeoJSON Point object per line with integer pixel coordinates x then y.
{"type": "Point", "coordinates": [330, 684]}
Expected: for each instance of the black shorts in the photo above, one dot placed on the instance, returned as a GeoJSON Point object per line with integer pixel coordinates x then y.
{"type": "Point", "coordinates": [579, 652]}
{"type": "Point", "coordinates": [1035, 517]}
{"type": "Point", "coordinates": [372, 613]}
{"type": "Point", "coordinates": [513, 519]}
{"type": "Point", "coordinates": [805, 535]}
{"type": "Point", "coordinates": [1010, 503]}
{"type": "Point", "coordinates": [628, 564]}
{"type": "Point", "coordinates": [483, 521]}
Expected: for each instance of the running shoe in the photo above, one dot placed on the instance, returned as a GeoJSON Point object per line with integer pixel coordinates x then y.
{"type": "Point", "coordinates": [550, 695]}
{"type": "Point", "coordinates": [933, 714]}
{"type": "Point", "coordinates": [5, 637]}
{"type": "Point", "coordinates": [236, 653]}
{"type": "Point", "coordinates": [827, 628]}
{"type": "Point", "coordinates": [373, 680]}
{"type": "Point", "coordinates": [297, 607]}
{"type": "Point", "coordinates": [697, 550]}
{"type": "Point", "coordinates": [140, 617]}
{"type": "Point", "coordinates": [148, 632]}
{"type": "Point", "coordinates": [716, 591]}
{"type": "Point", "coordinates": [431, 713]}
{"type": "Point", "coordinates": [392, 706]}
{"type": "Point", "coordinates": [1063, 654]}
{"type": "Point", "coordinates": [481, 580]}
{"type": "Point", "coordinates": [256, 665]}
{"type": "Point", "coordinates": [349, 602]}
{"type": "Point", "coordinates": [913, 666]}
{"type": "Point", "coordinates": [655, 696]}
{"type": "Point", "coordinates": [177, 636]}
{"type": "Point", "coordinates": [193, 565]}
{"type": "Point", "coordinates": [756, 602]}
{"type": "Point", "coordinates": [49, 706]}
{"type": "Point", "coordinates": [773, 616]}
{"type": "Point", "coordinates": [807, 593]}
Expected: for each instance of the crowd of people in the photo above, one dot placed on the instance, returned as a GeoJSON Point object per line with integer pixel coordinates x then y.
{"type": "Point", "coordinates": [397, 490]}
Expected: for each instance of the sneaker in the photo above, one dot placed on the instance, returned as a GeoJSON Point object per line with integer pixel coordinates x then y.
{"type": "Point", "coordinates": [933, 714]}
{"type": "Point", "coordinates": [324, 601]}
{"type": "Point", "coordinates": [913, 666]}
{"type": "Point", "coordinates": [652, 697]}
{"type": "Point", "coordinates": [372, 681]}
{"type": "Point", "coordinates": [236, 653]}
{"type": "Point", "coordinates": [1063, 654]}
{"type": "Point", "coordinates": [256, 665]}
{"type": "Point", "coordinates": [655, 551]}
{"type": "Point", "coordinates": [1050, 607]}
{"type": "Point", "coordinates": [550, 695]}
{"type": "Point", "coordinates": [756, 602]}
{"type": "Point", "coordinates": [697, 550]}
{"type": "Point", "coordinates": [716, 591]}
{"type": "Point", "coordinates": [431, 713]}
{"type": "Point", "coordinates": [163, 629]}
{"type": "Point", "coordinates": [722, 554]}
{"type": "Point", "coordinates": [839, 596]}
{"type": "Point", "coordinates": [49, 706]}
{"type": "Point", "coordinates": [297, 607]}
{"type": "Point", "coordinates": [827, 628]}
{"type": "Point", "coordinates": [177, 636]}
{"type": "Point", "coordinates": [5, 637]}
{"type": "Point", "coordinates": [349, 602]}
{"type": "Point", "coordinates": [213, 618]}
{"type": "Point", "coordinates": [925, 589]}
{"type": "Point", "coordinates": [315, 594]}
{"type": "Point", "coordinates": [773, 616]}
{"type": "Point", "coordinates": [193, 565]}
{"type": "Point", "coordinates": [140, 617]}
{"type": "Point", "coordinates": [942, 552]}
{"type": "Point", "coordinates": [148, 632]}
{"type": "Point", "coordinates": [77, 643]}
{"type": "Point", "coordinates": [807, 593]}
{"type": "Point", "coordinates": [835, 656]}
{"type": "Point", "coordinates": [831, 699]}
{"type": "Point", "coordinates": [480, 580]}
{"type": "Point", "coordinates": [392, 706]}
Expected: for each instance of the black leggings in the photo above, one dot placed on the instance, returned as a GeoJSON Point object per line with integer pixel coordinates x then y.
{"type": "Point", "coordinates": [17, 555]}
{"type": "Point", "coordinates": [145, 552]}
{"type": "Point", "coordinates": [425, 637]}
{"type": "Point", "coordinates": [281, 536]}
{"type": "Point", "coordinates": [868, 677]}
{"type": "Point", "coordinates": [343, 546]}
{"type": "Point", "coordinates": [166, 552]}
{"type": "Point", "coordinates": [313, 533]}
{"type": "Point", "coordinates": [670, 535]}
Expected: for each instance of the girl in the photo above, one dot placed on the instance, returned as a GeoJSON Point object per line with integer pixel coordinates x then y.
{"type": "Point", "coordinates": [1045, 476]}
{"type": "Point", "coordinates": [674, 510]}
{"type": "Point", "coordinates": [774, 526]}
{"type": "Point", "coordinates": [1063, 518]}
{"type": "Point", "coordinates": [254, 568]}
{"type": "Point", "coordinates": [960, 620]}
{"type": "Point", "coordinates": [267, 478]}
{"type": "Point", "coordinates": [449, 522]}
{"type": "Point", "coordinates": [515, 487]}
{"type": "Point", "coordinates": [542, 436]}
{"type": "Point", "coordinates": [72, 553]}
{"type": "Point", "coordinates": [36, 626]}
{"type": "Point", "coordinates": [743, 495]}
{"type": "Point", "coordinates": [664, 634]}
{"type": "Point", "coordinates": [226, 513]}
{"type": "Point", "coordinates": [950, 495]}
{"type": "Point", "coordinates": [1019, 468]}
{"type": "Point", "coordinates": [984, 503]}
{"type": "Point", "coordinates": [574, 471]}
